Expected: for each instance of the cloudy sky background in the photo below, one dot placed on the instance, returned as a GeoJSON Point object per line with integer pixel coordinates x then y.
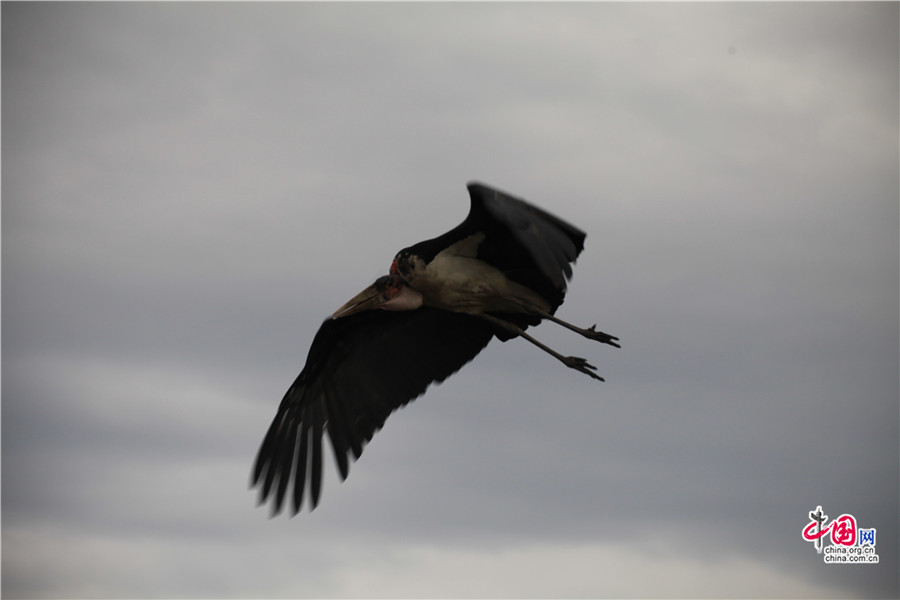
{"type": "Point", "coordinates": [188, 190]}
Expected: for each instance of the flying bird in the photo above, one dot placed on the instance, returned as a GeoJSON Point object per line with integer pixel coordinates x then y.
{"type": "Point", "coordinates": [501, 270]}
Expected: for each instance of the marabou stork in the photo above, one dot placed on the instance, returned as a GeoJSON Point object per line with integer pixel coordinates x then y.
{"type": "Point", "coordinates": [501, 270]}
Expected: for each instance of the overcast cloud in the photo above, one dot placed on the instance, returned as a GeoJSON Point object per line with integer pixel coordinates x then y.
{"type": "Point", "coordinates": [189, 189]}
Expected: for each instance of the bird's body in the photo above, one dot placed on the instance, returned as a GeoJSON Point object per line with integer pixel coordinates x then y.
{"type": "Point", "coordinates": [456, 280]}
{"type": "Point", "coordinates": [501, 270]}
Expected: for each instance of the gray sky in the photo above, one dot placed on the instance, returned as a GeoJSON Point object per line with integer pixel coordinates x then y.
{"type": "Point", "coordinates": [188, 190]}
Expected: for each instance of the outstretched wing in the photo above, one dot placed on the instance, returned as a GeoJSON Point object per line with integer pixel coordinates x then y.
{"type": "Point", "coordinates": [359, 370]}
{"type": "Point", "coordinates": [532, 246]}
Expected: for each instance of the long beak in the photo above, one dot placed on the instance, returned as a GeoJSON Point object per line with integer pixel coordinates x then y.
{"type": "Point", "coordinates": [368, 299]}
{"type": "Point", "coordinates": [388, 293]}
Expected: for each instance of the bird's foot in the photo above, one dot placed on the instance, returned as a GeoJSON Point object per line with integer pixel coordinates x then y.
{"type": "Point", "coordinates": [580, 364]}
{"type": "Point", "coordinates": [592, 334]}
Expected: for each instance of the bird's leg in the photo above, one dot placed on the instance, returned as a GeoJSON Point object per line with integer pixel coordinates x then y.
{"type": "Point", "coordinates": [573, 362]}
{"type": "Point", "coordinates": [591, 332]}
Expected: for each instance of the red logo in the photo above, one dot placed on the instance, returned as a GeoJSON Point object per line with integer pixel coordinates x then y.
{"type": "Point", "coordinates": [849, 544]}
{"type": "Point", "coordinates": [842, 529]}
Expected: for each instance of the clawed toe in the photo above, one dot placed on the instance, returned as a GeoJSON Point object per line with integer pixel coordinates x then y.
{"type": "Point", "coordinates": [592, 333]}
{"type": "Point", "coordinates": [580, 364]}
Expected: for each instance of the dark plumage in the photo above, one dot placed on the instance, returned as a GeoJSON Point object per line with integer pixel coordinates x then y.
{"type": "Point", "coordinates": [502, 269]}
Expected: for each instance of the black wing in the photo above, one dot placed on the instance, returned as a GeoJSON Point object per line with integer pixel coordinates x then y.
{"type": "Point", "coordinates": [359, 370]}
{"type": "Point", "coordinates": [525, 240]}
{"type": "Point", "coordinates": [531, 246]}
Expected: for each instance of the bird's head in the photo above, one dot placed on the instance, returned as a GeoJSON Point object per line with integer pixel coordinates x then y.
{"type": "Point", "coordinates": [405, 264]}
{"type": "Point", "coordinates": [388, 293]}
